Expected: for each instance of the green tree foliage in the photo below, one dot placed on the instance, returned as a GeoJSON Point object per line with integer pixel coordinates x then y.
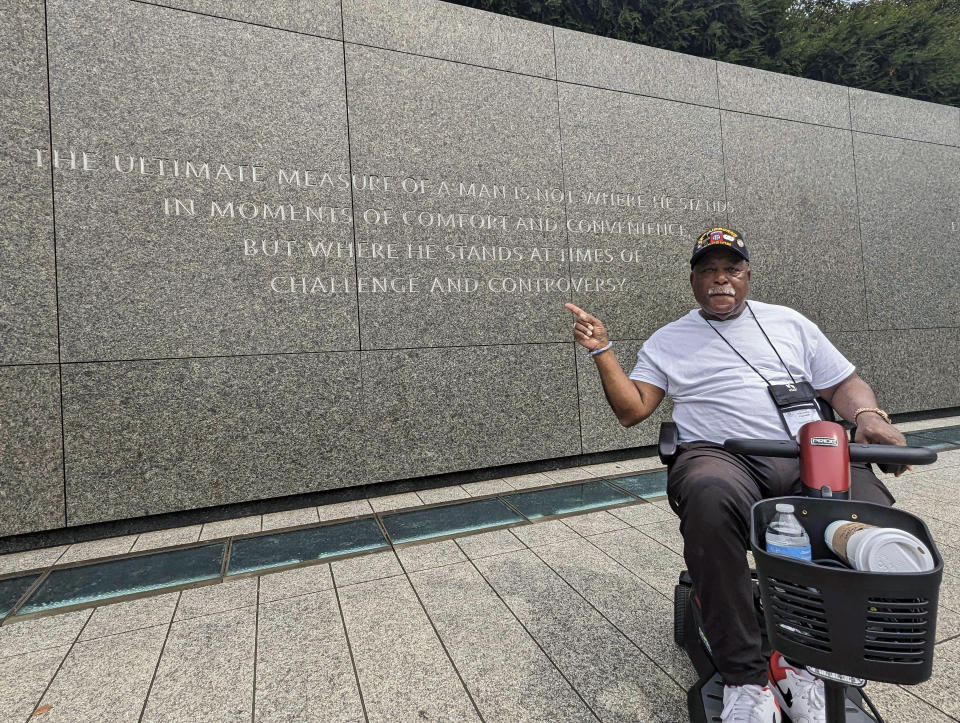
{"type": "Point", "coordinates": [904, 47]}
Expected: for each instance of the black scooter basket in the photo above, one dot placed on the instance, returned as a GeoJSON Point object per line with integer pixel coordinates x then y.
{"type": "Point", "coordinates": [877, 626]}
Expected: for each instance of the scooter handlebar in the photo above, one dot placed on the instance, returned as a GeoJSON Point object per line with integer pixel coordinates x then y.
{"type": "Point", "coordinates": [879, 453]}
{"type": "Point", "coordinates": [763, 447]}
{"type": "Point", "coordinates": [891, 454]}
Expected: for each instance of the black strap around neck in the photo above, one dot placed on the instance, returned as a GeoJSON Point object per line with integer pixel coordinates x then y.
{"type": "Point", "coordinates": [744, 358]}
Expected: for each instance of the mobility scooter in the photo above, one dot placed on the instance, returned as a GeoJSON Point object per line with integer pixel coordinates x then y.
{"type": "Point", "coordinates": [846, 626]}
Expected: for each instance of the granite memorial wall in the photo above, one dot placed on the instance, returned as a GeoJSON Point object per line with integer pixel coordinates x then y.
{"type": "Point", "coordinates": [254, 250]}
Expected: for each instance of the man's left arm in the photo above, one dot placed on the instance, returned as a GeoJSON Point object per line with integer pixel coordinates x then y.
{"type": "Point", "coordinates": [852, 394]}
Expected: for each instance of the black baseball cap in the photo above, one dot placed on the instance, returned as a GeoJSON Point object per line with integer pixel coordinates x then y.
{"type": "Point", "coordinates": [719, 237]}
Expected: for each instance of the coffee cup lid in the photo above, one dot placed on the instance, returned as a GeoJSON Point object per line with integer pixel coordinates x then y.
{"type": "Point", "coordinates": [892, 550]}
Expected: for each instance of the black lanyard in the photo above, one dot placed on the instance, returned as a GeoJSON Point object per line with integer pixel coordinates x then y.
{"type": "Point", "coordinates": [743, 357]}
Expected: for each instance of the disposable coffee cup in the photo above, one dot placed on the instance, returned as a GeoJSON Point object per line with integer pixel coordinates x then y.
{"type": "Point", "coordinates": [877, 549]}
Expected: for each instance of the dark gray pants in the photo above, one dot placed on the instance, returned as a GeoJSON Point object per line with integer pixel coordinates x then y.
{"type": "Point", "coordinates": [712, 491]}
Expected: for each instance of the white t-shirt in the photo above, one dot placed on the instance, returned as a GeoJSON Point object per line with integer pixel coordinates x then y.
{"type": "Point", "coordinates": [716, 395]}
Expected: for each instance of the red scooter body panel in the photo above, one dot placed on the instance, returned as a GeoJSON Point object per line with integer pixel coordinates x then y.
{"type": "Point", "coordinates": [825, 460]}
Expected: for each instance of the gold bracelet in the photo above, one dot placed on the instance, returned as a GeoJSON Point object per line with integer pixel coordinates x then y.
{"type": "Point", "coordinates": [886, 417]}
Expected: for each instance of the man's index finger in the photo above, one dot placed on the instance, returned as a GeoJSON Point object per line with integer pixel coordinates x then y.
{"type": "Point", "coordinates": [581, 314]}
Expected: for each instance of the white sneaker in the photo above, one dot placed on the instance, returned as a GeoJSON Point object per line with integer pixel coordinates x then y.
{"type": "Point", "coordinates": [798, 692]}
{"type": "Point", "coordinates": [749, 704]}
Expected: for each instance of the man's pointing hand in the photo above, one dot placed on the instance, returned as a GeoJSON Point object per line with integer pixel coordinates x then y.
{"type": "Point", "coordinates": [588, 331]}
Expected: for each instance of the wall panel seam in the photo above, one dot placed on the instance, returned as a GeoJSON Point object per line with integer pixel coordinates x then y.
{"type": "Point", "coordinates": [56, 281]}
{"type": "Point", "coordinates": [15, 365]}
{"type": "Point", "coordinates": [235, 20]}
{"type": "Point", "coordinates": [353, 205]}
{"type": "Point", "coordinates": [444, 60]}
{"type": "Point", "coordinates": [640, 95]}
{"type": "Point", "coordinates": [563, 186]}
{"type": "Point", "coordinates": [542, 77]}
{"type": "Point", "coordinates": [856, 190]}
{"type": "Point", "coordinates": [723, 154]}
{"type": "Point", "coordinates": [413, 348]}
{"type": "Point", "coordinates": [904, 138]}
{"type": "Point", "coordinates": [361, 401]}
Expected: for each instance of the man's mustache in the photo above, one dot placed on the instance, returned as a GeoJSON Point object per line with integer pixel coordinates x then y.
{"type": "Point", "coordinates": [715, 290]}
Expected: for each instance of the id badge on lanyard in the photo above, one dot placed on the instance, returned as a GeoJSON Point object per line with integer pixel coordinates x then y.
{"type": "Point", "coordinates": [796, 404]}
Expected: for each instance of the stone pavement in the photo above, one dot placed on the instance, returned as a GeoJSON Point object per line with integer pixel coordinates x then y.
{"type": "Point", "coordinates": [562, 620]}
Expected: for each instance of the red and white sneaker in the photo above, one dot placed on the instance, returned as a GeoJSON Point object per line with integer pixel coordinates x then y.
{"type": "Point", "coordinates": [749, 704]}
{"type": "Point", "coordinates": [799, 693]}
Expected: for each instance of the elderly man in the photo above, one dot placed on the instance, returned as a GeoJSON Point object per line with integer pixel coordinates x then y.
{"type": "Point", "coordinates": [719, 363]}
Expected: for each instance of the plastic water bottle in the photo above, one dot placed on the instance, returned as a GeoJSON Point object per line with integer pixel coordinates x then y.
{"type": "Point", "coordinates": [786, 536]}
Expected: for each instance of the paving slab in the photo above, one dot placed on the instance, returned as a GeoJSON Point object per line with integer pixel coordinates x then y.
{"type": "Point", "coordinates": [442, 494]}
{"type": "Point", "coordinates": [168, 538]}
{"type": "Point", "coordinates": [544, 533]}
{"type": "Point", "coordinates": [945, 460]}
{"type": "Point", "coordinates": [206, 670]}
{"type": "Point", "coordinates": [612, 468]}
{"type": "Point", "coordinates": [509, 676]}
{"type": "Point", "coordinates": [645, 513]}
{"type": "Point", "coordinates": [936, 481]}
{"type": "Point", "coordinates": [529, 481]}
{"type": "Point", "coordinates": [948, 622]}
{"type": "Point", "coordinates": [364, 568]}
{"type": "Point", "coordinates": [484, 544]}
{"type": "Point", "coordinates": [299, 581]}
{"type": "Point", "coordinates": [940, 690]}
{"type": "Point", "coordinates": [395, 502]}
{"type": "Point", "coordinates": [303, 662]}
{"type": "Point", "coordinates": [404, 672]}
{"type": "Point", "coordinates": [23, 678]}
{"type": "Point", "coordinates": [31, 559]}
{"type": "Point", "coordinates": [226, 528]}
{"type": "Point", "coordinates": [950, 592]}
{"type": "Point", "coordinates": [594, 523]}
{"type": "Point", "coordinates": [641, 464]}
{"type": "Point", "coordinates": [341, 510]}
{"type": "Point", "coordinates": [131, 615]}
{"type": "Point", "coordinates": [655, 564]}
{"type": "Point", "coordinates": [906, 485]}
{"type": "Point", "coordinates": [217, 598]}
{"type": "Point", "coordinates": [289, 518]}
{"type": "Point", "coordinates": [927, 424]}
{"type": "Point", "coordinates": [951, 558]}
{"type": "Point", "coordinates": [928, 508]}
{"type": "Point", "coordinates": [487, 487]}
{"type": "Point", "coordinates": [641, 613]}
{"type": "Point", "coordinates": [98, 548]}
{"type": "Point", "coordinates": [105, 679]}
{"type": "Point", "coordinates": [51, 631]}
{"type": "Point", "coordinates": [663, 503]}
{"type": "Point", "coordinates": [897, 703]}
{"type": "Point", "coordinates": [570, 474]}
{"type": "Point", "coordinates": [431, 554]}
{"type": "Point", "coordinates": [613, 675]}
{"type": "Point", "coordinates": [666, 533]}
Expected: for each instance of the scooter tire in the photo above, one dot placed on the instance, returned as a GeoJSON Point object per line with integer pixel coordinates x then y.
{"type": "Point", "coordinates": [681, 613]}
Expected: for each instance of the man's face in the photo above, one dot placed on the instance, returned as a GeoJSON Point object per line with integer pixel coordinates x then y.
{"type": "Point", "coordinates": [720, 281]}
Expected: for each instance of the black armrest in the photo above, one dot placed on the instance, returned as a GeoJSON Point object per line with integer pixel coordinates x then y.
{"type": "Point", "coordinates": [826, 411]}
{"type": "Point", "coordinates": [830, 415]}
{"type": "Point", "coordinates": [667, 443]}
